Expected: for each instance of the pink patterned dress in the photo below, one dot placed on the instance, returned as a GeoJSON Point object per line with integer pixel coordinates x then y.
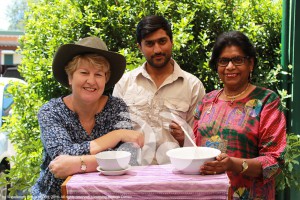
{"type": "Point", "coordinates": [253, 127]}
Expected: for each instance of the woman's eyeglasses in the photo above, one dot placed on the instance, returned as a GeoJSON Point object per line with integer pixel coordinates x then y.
{"type": "Point", "coordinates": [237, 61]}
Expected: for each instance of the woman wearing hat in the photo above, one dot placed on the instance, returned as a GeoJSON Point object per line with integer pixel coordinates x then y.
{"type": "Point", "coordinates": [76, 127]}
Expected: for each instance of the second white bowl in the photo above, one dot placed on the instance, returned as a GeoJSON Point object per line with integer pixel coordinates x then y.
{"type": "Point", "coordinates": [190, 159]}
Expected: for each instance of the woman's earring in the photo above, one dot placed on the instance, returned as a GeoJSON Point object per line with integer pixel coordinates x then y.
{"type": "Point", "coordinates": [250, 76]}
{"type": "Point", "coordinates": [220, 80]}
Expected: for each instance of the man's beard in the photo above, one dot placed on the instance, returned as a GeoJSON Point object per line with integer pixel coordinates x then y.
{"type": "Point", "coordinates": [159, 65]}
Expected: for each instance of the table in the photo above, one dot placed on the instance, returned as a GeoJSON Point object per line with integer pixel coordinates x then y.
{"type": "Point", "coordinates": [146, 182]}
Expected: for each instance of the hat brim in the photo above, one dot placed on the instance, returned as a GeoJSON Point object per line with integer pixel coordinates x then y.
{"type": "Point", "coordinates": [67, 52]}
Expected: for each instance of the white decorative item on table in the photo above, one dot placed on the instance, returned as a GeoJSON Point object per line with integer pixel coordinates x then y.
{"type": "Point", "coordinates": [113, 173]}
{"type": "Point", "coordinates": [188, 160]}
{"type": "Point", "coordinates": [113, 160]}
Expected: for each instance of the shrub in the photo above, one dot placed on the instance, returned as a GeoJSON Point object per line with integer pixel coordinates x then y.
{"type": "Point", "coordinates": [289, 178]}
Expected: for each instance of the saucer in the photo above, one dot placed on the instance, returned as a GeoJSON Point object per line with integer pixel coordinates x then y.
{"type": "Point", "coordinates": [113, 173]}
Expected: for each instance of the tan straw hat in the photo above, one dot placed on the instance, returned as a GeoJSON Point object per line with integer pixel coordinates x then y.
{"type": "Point", "coordinates": [94, 45]}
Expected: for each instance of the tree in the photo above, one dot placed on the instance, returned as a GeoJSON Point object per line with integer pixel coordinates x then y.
{"type": "Point", "coordinates": [15, 14]}
{"type": "Point", "coordinates": [196, 24]}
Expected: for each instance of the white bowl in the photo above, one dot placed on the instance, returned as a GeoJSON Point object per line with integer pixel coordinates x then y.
{"type": "Point", "coordinates": [113, 160]}
{"type": "Point", "coordinates": [188, 160]}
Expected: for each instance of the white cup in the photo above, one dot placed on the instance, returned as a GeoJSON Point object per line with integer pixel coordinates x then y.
{"type": "Point", "coordinates": [113, 160]}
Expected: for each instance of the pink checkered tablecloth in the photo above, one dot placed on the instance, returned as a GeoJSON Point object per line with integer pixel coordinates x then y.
{"type": "Point", "coordinates": [148, 182]}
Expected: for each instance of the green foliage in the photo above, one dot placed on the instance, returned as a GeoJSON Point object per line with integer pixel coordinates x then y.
{"type": "Point", "coordinates": [195, 23]}
{"type": "Point", "coordinates": [290, 175]}
{"type": "Point", "coordinates": [43, 36]}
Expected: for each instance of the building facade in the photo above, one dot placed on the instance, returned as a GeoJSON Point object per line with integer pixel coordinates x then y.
{"type": "Point", "coordinates": [9, 58]}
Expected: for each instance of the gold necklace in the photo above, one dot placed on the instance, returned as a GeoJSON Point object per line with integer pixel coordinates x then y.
{"type": "Point", "coordinates": [232, 98]}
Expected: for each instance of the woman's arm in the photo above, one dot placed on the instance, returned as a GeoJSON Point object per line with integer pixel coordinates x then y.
{"type": "Point", "coordinates": [272, 138]}
{"type": "Point", "coordinates": [225, 163]}
{"type": "Point", "coordinates": [65, 165]}
{"type": "Point", "coordinates": [111, 139]}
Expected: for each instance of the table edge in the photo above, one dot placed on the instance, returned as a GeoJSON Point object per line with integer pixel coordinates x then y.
{"type": "Point", "coordinates": [64, 188]}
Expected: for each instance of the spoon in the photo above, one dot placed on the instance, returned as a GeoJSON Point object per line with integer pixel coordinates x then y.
{"type": "Point", "coordinates": [197, 151]}
{"type": "Point", "coordinates": [185, 132]}
{"type": "Point", "coordinates": [189, 137]}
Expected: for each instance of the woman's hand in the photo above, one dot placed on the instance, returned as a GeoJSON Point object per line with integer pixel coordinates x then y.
{"type": "Point", "coordinates": [219, 166]}
{"type": "Point", "coordinates": [131, 136]}
{"type": "Point", "coordinates": [224, 163]}
{"type": "Point", "coordinates": [63, 166]}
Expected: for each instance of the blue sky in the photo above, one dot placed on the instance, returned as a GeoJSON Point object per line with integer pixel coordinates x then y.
{"type": "Point", "coordinates": [3, 19]}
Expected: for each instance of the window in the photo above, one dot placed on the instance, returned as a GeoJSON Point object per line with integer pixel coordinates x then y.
{"type": "Point", "coordinates": [8, 59]}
